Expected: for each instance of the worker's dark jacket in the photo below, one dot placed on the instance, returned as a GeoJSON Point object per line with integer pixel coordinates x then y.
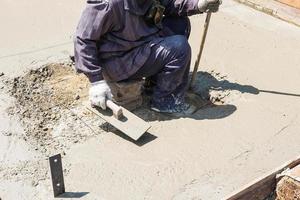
{"type": "Point", "coordinates": [113, 36]}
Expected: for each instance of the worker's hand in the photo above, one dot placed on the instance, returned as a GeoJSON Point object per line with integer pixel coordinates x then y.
{"type": "Point", "coordinates": [209, 5]}
{"type": "Point", "coordinates": [99, 92]}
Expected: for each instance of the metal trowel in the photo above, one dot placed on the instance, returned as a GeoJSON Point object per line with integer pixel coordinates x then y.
{"type": "Point", "coordinates": [121, 119]}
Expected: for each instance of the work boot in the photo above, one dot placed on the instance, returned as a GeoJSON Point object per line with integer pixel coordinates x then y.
{"type": "Point", "coordinates": [179, 110]}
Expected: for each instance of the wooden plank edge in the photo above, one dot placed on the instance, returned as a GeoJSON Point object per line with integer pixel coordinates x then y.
{"type": "Point", "coordinates": [294, 4]}
{"type": "Point", "coordinates": [256, 184]}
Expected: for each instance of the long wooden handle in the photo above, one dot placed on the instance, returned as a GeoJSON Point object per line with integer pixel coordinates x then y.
{"type": "Point", "coordinates": [117, 110]}
{"type": "Point", "coordinates": [206, 24]}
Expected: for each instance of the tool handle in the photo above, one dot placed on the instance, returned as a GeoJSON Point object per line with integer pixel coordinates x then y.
{"type": "Point", "coordinates": [117, 110]}
{"type": "Point", "coordinates": [206, 24]}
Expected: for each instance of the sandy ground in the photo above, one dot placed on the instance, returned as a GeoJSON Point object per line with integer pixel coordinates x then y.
{"type": "Point", "coordinates": [253, 60]}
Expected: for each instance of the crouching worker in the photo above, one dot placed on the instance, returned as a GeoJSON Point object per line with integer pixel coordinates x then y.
{"type": "Point", "coordinates": [132, 39]}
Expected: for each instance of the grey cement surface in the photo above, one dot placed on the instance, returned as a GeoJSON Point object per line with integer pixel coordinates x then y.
{"type": "Point", "coordinates": [205, 157]}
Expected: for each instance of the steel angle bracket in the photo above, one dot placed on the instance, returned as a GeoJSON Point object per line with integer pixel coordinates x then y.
{"type": "Point", "coordinates": [57, 175]}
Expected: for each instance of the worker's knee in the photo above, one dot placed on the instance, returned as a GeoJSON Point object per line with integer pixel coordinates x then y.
{"type": "Point", "coordinates": [180, 47]}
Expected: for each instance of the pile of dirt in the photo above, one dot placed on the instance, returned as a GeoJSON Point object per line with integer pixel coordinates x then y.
{"type": "Point", "coordinates": [42, 98]}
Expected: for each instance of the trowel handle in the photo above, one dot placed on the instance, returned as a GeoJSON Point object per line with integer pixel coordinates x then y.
{"type": "Point", "coordinates": [117, 110]}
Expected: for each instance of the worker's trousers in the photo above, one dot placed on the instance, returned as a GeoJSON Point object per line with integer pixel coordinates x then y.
{"type": "Point", "coordinates": [168, 65]}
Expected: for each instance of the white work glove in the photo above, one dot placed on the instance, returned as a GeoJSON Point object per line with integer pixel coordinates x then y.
{"type": "Point", "coordinates": [209, 5]}
{"type": "Point", "coordinates": [99, 92]}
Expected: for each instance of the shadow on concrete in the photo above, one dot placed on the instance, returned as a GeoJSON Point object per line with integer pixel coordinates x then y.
{"type": "Point", "coordinates": [206, 82]}
{"type": "Point", "coordinates": [75, 195]}
{"type": "Point", "coordinates": [199, 96]}
{"type": "Point", "coordinates": [209, 111]}
{"type": "Point", "coordinates": [144, 139]}
{"type": "Point", "coordinates": [279, 93]}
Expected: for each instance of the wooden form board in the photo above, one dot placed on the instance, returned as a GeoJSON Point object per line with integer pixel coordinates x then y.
{"type": "Point", "coordinates": [262, 187]}
{"type": "Point", "coordinates": [129, 124]}
{"type": "Point", "coordinates": [293, 3]}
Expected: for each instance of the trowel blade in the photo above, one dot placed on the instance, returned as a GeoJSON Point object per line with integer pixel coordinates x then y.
{"type": "Point", "coordinates": [129, 123]}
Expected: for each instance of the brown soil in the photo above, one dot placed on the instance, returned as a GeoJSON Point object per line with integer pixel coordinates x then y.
{"type": "Point", "coordinates": [42, 96]}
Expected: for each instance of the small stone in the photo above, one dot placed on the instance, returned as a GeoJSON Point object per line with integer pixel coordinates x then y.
{"type": "Point", "coordinates": [23, 112]}
{"type": "Point", "coordinates": [45, 113]}
{"type": "Point", "coordinates": [45, 129]}
{"type": "Point", "coordinates": [1, 74]}
{"type": "Point", "coordinates": [77, 97]}
{"type": "Point", "coordinates": [34, 183]}
{"type": "Point", "coordinates": [7, 133]}
{"type": "Point", "coordinates": [72, 58]}
{"type": "Point", "coordinates": [53, 116]}
{"type": "Point", "coordinates": [76, 141]}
